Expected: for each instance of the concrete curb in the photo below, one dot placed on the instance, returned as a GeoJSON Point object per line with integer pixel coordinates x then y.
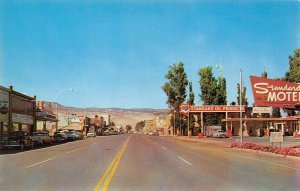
{"type": "Point", "coordinates": [202, 140]}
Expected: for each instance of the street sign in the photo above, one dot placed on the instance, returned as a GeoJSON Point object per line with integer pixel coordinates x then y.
{"type": "Point", "coordinates": [276, 137]}
{"type": "Point", "coordinates": [262, 110]}
{"type": "Point", "coordinates": [3, 110]}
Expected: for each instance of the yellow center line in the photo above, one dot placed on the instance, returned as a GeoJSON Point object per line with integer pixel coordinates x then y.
{"type": "Point", "coordinates": [109, 173]}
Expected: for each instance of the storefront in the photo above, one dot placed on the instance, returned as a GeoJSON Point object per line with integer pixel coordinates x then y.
{"type": "Point", "coordinates": [4, 105]}
{"type": "Point", "coordinates": [46, 121]}
{"type": "Point", "coordinates": [261, 126]}
{"type": "Point", "coordinates": [18, 112]}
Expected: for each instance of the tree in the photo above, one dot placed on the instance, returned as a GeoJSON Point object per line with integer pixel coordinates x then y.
{"type": "Point", "coordinates": [293, 75]}
{"type": "Point", "coordinates": [140, 126]}
{"type": "Point", "coordinates": [175, 90]}
{"type": "Point", "coordinates": [208, 86]}
{"type": "Point", "coordinates": [221, 92]}
{"type": "Point", "coordinates": [244, 99]}
{"type": "Point", "coordinates": [191, 101]}
{"type": "Point", "coordinates": [208, 94]}
{"type": "Point", "coordinates": [128, 128]}
{"type": "Point", "coordinates": [221, 97]}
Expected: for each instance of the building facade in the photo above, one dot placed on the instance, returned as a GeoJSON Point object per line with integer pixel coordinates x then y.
{"type": "Point", "coordinates": [18, 112]}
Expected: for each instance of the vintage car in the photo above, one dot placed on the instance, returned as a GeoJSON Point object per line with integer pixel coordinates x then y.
{"type": "Point", "coordinates": [91, 134]}
{"type": "Point", "coordinates": [59, 136]}
{"type": "Point", "coordinates": [219, 134]}
{"type": "Point", "coordinates": [41, 138]}
{"type": "Point", "coordinates": [17, 139]}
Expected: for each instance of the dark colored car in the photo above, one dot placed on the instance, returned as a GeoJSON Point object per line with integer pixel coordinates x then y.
{"type": "Point", "coordinates": [59, 136]}
{"type": "Point", "coordinates": [79, 135]}
{"type": "Point", "coordinates": [71, 135]}
{"type": "Point", "coordinates": [19, 139]}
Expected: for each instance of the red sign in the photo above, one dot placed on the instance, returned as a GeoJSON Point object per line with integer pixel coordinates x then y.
{"type": "Point", "coordinates": [184, 109]}
{"type": "Point", "coordinates": [275, 93]}
{"type": "Point", "coordinates": [211, 108]}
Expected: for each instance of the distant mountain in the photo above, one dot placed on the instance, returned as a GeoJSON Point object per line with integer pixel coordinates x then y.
{"type": "Point", "coordinates": [119, 116]}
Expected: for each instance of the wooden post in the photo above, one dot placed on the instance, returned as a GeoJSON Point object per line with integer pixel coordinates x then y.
{"type": "Point", "coordinates": [202, 125]}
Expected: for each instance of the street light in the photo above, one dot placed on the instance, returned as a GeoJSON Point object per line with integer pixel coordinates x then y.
{"type": "Point", "coordinates": [221, 70]}
{"type": "Point", "coordinates": [58, 93]}
{"type": "Point", "coordinates": [241, 115]}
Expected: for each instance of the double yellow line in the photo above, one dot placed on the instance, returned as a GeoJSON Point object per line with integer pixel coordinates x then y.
{"type": "Point", "coordinates": [107, 177]}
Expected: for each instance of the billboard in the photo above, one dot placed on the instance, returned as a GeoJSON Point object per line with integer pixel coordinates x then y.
{"type": "Point", "coordinates": [276, 93]}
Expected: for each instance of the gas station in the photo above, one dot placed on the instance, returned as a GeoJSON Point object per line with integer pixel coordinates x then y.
{"type": "Point", "coordinates": [267, 94]}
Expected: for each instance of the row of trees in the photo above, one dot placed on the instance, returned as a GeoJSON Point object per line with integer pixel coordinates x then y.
{"type": "Point", "coordinates": [212, 92]}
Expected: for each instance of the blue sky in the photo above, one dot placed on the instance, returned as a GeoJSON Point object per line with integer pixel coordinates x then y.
{"type": "Point", "coordinates": [116, 53]}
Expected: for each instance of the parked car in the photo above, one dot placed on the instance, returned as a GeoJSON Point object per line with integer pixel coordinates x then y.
{"type": "Point", "coordinates": [107, 132]}
{"type": "Point", "coordinates": [59, 136]}
{"type": "Point", "coordinates": [19, 139]}
{"type": "Point", "coordinates": [71, 135]}
{"type": "Point", "coordinates": [79, 135]}
{"type": "Point", "coordinates": [152, 133]}
{"type": "Point", "coordinates": [41, 138]}
{"type": "Point", "coordinates": [219, 134]}
{"type": "Point", "coordinates": [91, 134]}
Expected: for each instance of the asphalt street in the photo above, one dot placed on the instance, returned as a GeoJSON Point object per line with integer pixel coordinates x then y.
{"type": "Point", "coordinates": [139, 162]}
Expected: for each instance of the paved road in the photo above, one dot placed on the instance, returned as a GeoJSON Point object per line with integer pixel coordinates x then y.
{"type": "Point", "coordinates": [137, 162]}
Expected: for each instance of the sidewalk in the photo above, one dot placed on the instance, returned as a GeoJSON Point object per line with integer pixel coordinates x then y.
{"type": "Point", "coordinates": [288, 141]}
{"type": "Point", "coordinates": [226, 142]}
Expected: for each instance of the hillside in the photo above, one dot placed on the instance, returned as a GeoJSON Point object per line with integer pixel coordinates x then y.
{"type": "Point", "coordinates": [118, 115]}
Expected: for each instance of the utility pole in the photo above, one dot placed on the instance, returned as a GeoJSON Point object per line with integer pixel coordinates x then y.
{"type": "Point", "coordinates": [174, 122]}
{"type": "Point", "coordinates": [241, 115]}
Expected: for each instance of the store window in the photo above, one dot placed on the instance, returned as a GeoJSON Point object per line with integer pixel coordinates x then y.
{"type": "Point", "coordinates": [15, 127]}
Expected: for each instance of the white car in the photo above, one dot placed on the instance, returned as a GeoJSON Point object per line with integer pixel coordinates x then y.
{"type": "Point", "coordinates": [219, 134]}
{"type": "Point", "coordinates": [91, 134]}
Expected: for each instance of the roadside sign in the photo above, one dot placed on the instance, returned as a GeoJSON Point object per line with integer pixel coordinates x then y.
{"type": "Point", "coordinates": [276, 137]}
{"type": "Point", "coordinates": [184, 109]}
{"type": "Point", "coordinates": [275, 93]}
{"type": "Point", "coordinates": [262, 110]}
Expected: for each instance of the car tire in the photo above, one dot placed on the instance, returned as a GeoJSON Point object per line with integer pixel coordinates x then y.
{"type": "Point", "coordinates": [22, 146]}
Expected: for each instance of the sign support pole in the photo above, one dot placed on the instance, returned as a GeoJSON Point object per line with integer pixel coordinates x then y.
{"type": "Point", "coordinates": [202, 128]}
{"type": "Point", "coordinates": [188, 127]}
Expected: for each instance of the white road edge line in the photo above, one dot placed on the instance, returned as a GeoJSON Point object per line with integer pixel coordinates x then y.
{"type": "Point", "coordinates": [164, 148]}
{"type": "Point", "coordinates": [184, 161]}
{"type": "Point", "coordinates": [40, 162]}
